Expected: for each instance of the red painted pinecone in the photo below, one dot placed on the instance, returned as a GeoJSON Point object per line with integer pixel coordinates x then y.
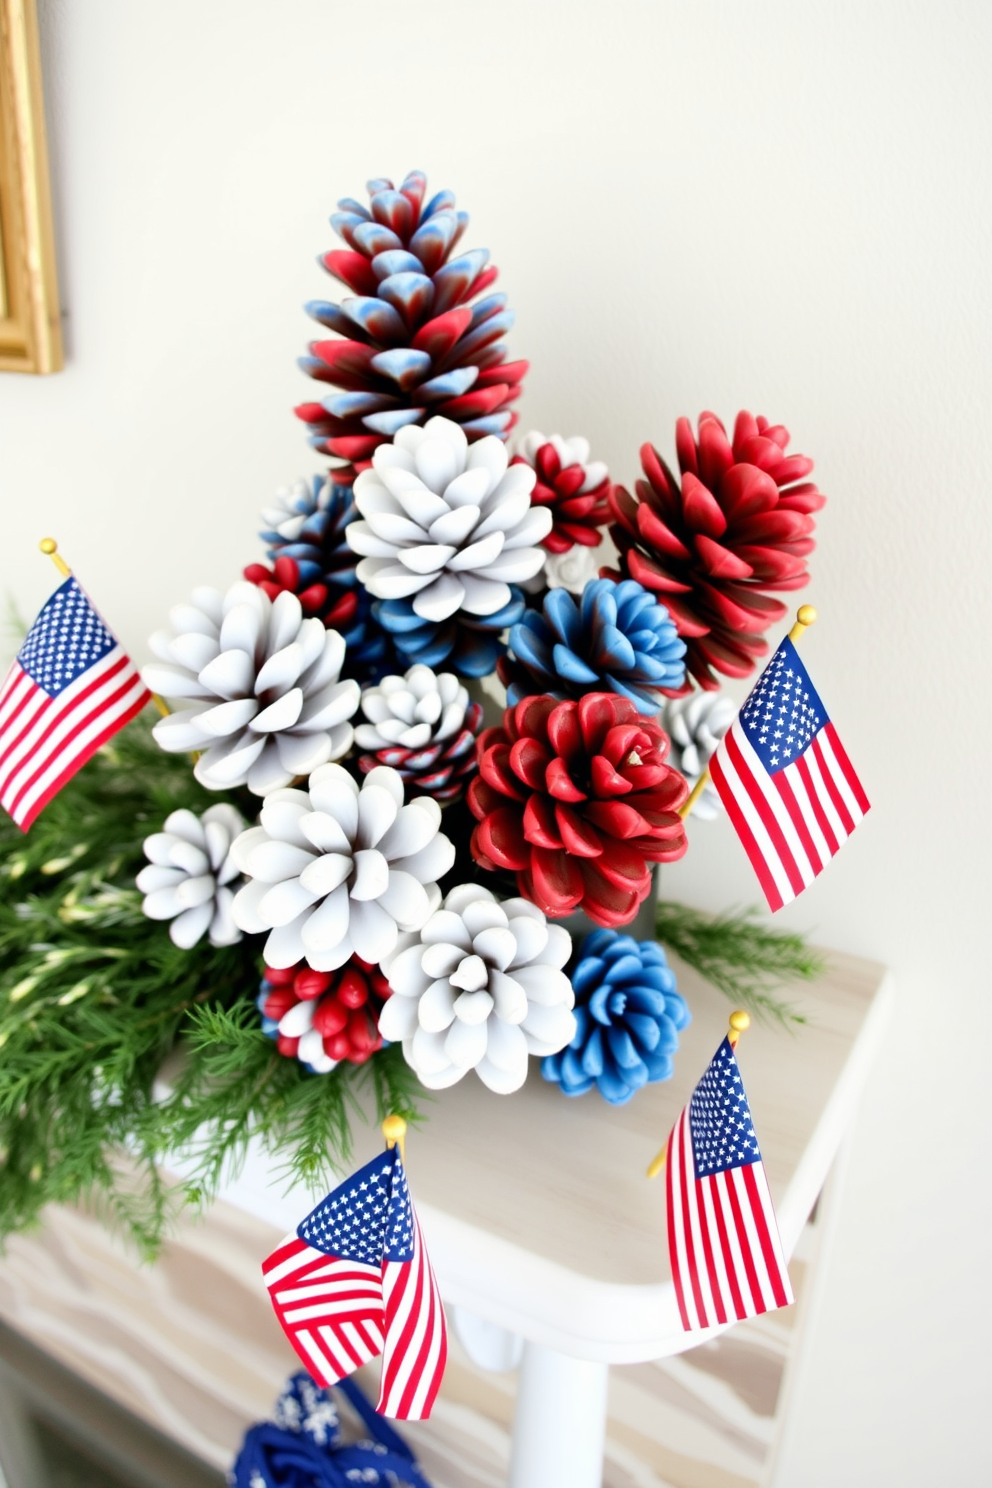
{"type": "Point", "coordinates": [336, 609]}
{"type": "Point", "coordinates": [413, 338]}
{"type": "Point", "coordinates": [324, 1017]}
{"type": "Point", "coordinates": [574, 487]}
{"type": "Point", "coordinates": [577, 800]}
{"type": "Point", "coordinates": [739, 526]}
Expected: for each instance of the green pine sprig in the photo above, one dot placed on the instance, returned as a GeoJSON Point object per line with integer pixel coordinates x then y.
{"type": "Point", "coordinates": [741, 957]}
{"type": "Point", "coordinates": [95, 999]}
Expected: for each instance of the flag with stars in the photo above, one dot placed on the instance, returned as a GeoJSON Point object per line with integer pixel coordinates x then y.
{"type": "Point", "coordinates": [723, 1241]}
{"type": "Point", "coordinates": [69, 689]}
{"type": "Point", "coordinates": [786, 781]}
{"type": "Point", "coordinates": [354, 1281]}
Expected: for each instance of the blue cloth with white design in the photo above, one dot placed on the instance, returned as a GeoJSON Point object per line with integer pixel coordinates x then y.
{"type": "Point", "coordinates": [303, 1446]}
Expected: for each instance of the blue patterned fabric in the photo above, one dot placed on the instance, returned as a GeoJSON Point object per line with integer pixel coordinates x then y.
{"type": "Point", "coordinates": [628, 1016]}
{"type": "Point", "coordinates": [469, 645]}
{"type": "Point", "coordinates": [303, 1447]}
{"type": "Point", "coordinates": [617, 638]}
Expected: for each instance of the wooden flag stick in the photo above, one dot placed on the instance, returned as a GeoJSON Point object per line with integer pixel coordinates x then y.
{"type": "Point", "coordinates": [50, 548]}
{"type": "Point", "coordinates": [805, 617]}
{"type": "Point", "coordinates": [740, 1022]}
{"type": "Point", "coordinates": [394, 1131]}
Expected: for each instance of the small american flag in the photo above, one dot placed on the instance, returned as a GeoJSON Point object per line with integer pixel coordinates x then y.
{"type": "Point", "coordinates": [69, 689]}
{"type": "Point", "coordinates": [354, 1281]}
{"type": "Point", "coordinates": [723, 1241]}
{"type": "Point", "coordinates": [787, 783]}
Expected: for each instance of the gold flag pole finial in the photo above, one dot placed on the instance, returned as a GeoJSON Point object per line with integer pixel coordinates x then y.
{"type": "Point", "coordinates": [805, 617]}
{"type": "Point", "coordinates": [740, 1022]}
{"type": "Point", "coordinates": [394, 1131]}
{"type": "Point", "coordinates": [50, 548]}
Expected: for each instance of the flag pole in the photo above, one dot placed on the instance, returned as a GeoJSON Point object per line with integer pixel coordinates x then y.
{"type": "Point", "coordinates": [805, 617]}
{"type": "Point", "coordinates": [394, 1131]}
{"type": "Point", "coordinates": [740, 1022]}
{"type": "Point", "coordinates": [50, 548]}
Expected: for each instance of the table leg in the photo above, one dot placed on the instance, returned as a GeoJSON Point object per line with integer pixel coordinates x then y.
{"type": "Point", "coordinates": [560, 1423]}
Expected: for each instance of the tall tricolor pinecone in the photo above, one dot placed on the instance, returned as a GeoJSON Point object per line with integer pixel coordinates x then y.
{"type": "Point", "coordinates": [417, 336]}
{"type": "Point", "coordinates": [740, 524]}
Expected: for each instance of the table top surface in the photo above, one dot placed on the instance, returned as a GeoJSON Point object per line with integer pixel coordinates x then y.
{"type": "Point", "coordinates": [536, 1208]}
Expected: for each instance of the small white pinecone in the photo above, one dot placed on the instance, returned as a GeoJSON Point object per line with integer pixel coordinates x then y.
{"type": "Point", "coordinates": [412, 711]}
{"type": "Point", "coordinates": [696, 724]}
{"type": "Point", "coordinates": [266, 701]}
{"type": "Point", "coordinates": [292, 507]}
{"type": "Point", "coordinates": [337, 870]}
{"type": "Point", "coordinates": [445, 523]}
{"type": "Point", "coordinates": [480, 987]}
{"type": "Point", "coordinates": [189, 875]}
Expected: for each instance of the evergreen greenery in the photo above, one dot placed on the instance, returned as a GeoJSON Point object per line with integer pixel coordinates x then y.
{"type": "Point", "coordinates": [117, 1047]}
{"type": "Point", "coordinates": [94, 997]}
{"type": "Point", "coordinates": [740, 956]}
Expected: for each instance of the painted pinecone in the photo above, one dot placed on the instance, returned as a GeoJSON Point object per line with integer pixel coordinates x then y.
{"type": "Point", "coordinates": [617, 638]}
{"type": "Point", "coordinates": [739, 525]}
{"type": "Point", "coordinates": [414, 338]}
{"type": "Point", "coordinates": [323, 1017]}
{"type": "Point", "coordinates": [339, 870]}
{"type": "Point", "coordinates": [190, 873]}
{"type": "Point", "coordinates": [628, 1016]}
{"type": "Point", "coordinates": [479, 987]}
{"type": "Point", "coordinates": [578, 800]}
{"type": "Point", "coordinates": [425, 727]}
{"type": "Point", "coordinates": [263, 684]}
{"type": "Point", "coordinates": [574, 487]}
{"type": "Point", "coordinates": [695, 725]}
{"type": "Point", "coordinates": [470, 645]}
{"type": "Point", "coordinates": [310, 557]}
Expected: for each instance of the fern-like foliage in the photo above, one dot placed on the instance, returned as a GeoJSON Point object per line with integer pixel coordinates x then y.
{"type": "Point", "coordinates": [94, 997]}
{"type": "Point", "coordinates": [745, 960]}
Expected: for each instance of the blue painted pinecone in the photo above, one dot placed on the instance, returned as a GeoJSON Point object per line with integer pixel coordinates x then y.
{"type": "Point", "coordinates": [306, 524]}
{"type": "Point", "coordinates": [628, 1016]}
{"type": "Point", "coordinates": [469, 645]}
{"type": "Point", "coordinates": [617, 637]}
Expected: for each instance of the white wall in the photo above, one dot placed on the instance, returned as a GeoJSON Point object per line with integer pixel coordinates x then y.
{"type": "Point", "coordinates": [781, 207]}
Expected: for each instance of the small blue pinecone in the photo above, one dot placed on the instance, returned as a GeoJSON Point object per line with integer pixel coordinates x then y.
{"type": "Point", "coordinates": [628, 1016]}
{"type": "Point", "coordinates": [307, 522]}
{"type": "Point", "coordinates": [617, 638]}
{"type": "Point", "coordinates": [469, 645]}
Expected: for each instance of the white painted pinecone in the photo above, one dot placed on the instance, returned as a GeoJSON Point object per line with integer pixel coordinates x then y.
{"type": "Point", "coordinates": [292, 507]}
{"type": "Point", "coordinates": [337, 870]}
{"type": "Point", "coordinates": [446, 522]}
{"type": "Point", "coordinates": [574, 451]}
{"type": "Point", "coordinates": [480, 987]}
{"type": "Point", "coordinates": [263, 683]}
{"type": "Point", "coordinates": [189, 875]}
{"type": "Point", "coordinates": [696, 724]}
{"type": "Point", "coordinates": [412, 711]}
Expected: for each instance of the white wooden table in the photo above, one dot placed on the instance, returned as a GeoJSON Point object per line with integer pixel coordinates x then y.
{"type": "Point", "coordinates": [540, 1221]}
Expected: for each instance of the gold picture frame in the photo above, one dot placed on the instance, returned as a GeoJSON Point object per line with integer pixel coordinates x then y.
{"type": "Point", "coordinates": [30, 326]}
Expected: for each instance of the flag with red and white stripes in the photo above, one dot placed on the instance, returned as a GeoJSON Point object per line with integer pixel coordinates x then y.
{"type": "Point", "coordinates": [69, 689]}
{"type": "Point", "coordinates": [723, 1241]}
{"type": "Point", "coordinates": [354, 1281]}
{"type": "Point", "coordinates": [786, 781]}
